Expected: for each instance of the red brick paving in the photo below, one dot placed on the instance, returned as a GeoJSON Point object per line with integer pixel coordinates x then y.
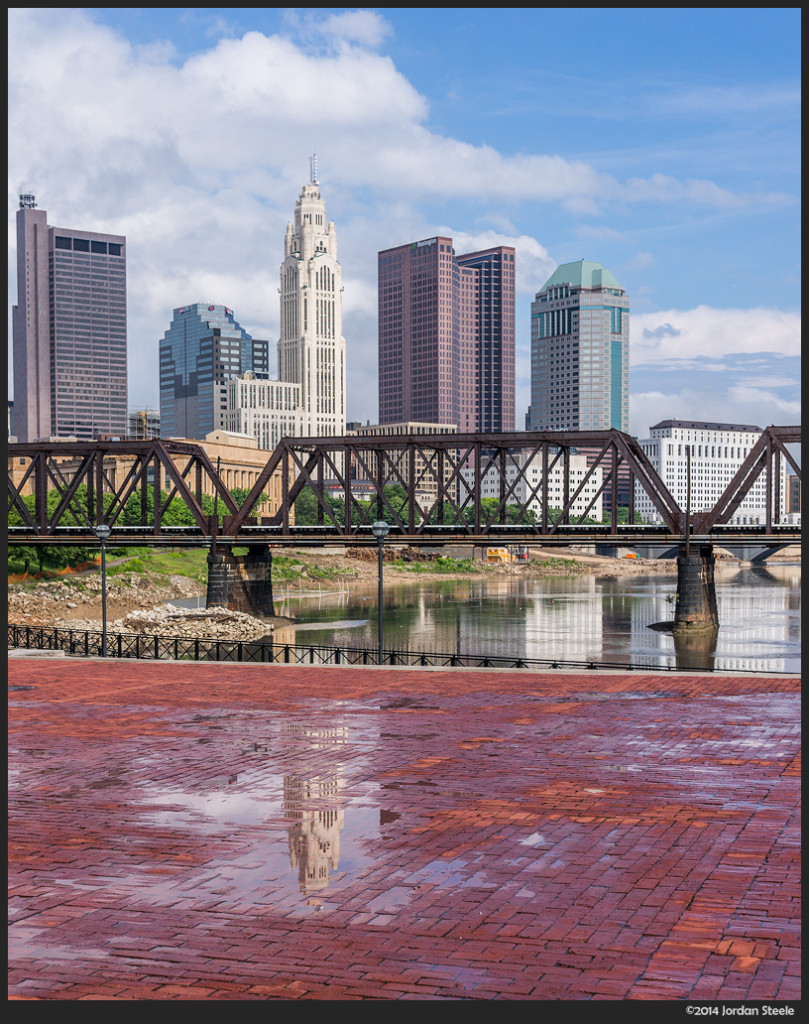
{"type": "Point", "coordinates": [483, 835]}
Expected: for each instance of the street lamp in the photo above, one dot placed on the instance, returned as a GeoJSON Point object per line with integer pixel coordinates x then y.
{"type": "Point", "coordinates": [687, 500]}
{"type": "Point", "coordinates": [380, 531]}
{"type": "Point", "coordinates": [102, 531]}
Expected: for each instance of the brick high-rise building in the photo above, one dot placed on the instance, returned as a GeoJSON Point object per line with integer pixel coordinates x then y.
{"type": "Point", "coordinates": [492, 335]}
{"type": "Point", "coordinates": [446, 336]}
{"type": "Point", "coordinates": [68, 331]}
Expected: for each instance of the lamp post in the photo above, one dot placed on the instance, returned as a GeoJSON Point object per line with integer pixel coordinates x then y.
{"type": "Point", "coordinates": [102, 531]}
{"type": "Point", "coordinates": [688, 500]}
{"type": "Point", "coordinates": [380, 531]}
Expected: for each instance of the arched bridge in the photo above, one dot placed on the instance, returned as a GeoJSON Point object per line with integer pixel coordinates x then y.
{"type": "Point", "coordinates": [486, 489]}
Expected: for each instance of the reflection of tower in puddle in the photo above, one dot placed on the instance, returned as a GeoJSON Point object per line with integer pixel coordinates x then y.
{"type": "Point", "coordinates": [314, 805]}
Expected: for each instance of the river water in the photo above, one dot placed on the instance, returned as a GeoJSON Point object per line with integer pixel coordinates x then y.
{"type": "Point", "coordinates": [580, 618]}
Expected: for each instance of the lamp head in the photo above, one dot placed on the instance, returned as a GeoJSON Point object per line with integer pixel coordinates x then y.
{"type": "Point", "coordinates": [380, 529]}
{"type": "Point", "coordinates": [102, 531]}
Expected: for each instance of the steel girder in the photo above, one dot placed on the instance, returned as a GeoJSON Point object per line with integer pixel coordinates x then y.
{"type": "Point", "coordinates": [334, 466]}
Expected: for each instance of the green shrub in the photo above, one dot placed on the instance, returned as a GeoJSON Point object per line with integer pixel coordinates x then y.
{"type": "Point", "coordinates": [133, 565]}
{"type": "Point", "coordinates": [443, 564]}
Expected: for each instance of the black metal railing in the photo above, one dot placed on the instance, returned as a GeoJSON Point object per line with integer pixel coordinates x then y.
{"type": "Point", "coordinates": [87, 643]}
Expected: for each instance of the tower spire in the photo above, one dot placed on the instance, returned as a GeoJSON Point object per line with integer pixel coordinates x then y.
{"type": "Point", "coordinates": [313, 169]}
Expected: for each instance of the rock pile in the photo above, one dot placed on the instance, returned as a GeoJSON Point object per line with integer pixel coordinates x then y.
{"type": "Point", "coordinates": [55, 602]}
{"type": "Point", "coordinates": [170, 621]}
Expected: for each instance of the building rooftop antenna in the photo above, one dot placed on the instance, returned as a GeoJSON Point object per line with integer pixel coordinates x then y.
{"type": "Point", "coordinates": [313, 170]}
{"type": "Point", "coordinates": [27, 201]}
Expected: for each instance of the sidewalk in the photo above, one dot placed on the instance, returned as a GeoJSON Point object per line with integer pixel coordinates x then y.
{"type": "Point", "coordinates": [190, 831]}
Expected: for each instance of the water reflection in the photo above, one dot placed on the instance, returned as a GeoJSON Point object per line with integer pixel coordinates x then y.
{"type": "Point", "coordinates": [315, 805]}
{"type": "Point", "coordinates": [295, 842]}
{"type": "Point", "coordinates": [604, 620]}
{"type": "Point", "coordinates": [696, 651]}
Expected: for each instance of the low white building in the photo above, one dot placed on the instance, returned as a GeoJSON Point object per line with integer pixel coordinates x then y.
{"type": "Point", "coordinates": [531, 481]}
{"type": "Point", "coordinates": [265, 409]}
{"type": "Point", "coordinates": [717, 452]}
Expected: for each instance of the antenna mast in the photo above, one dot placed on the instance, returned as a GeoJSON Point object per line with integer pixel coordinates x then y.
{"type": "Point", "coordinates": [313, 169]}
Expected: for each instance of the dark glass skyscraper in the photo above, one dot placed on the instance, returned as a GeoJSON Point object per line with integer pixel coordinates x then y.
{"type": "Point", "coordinates": [69, 331]}
{"type": "Point", "coordinates": [446, 336]}
{"type": "Point", "coordinates": [203, 347]}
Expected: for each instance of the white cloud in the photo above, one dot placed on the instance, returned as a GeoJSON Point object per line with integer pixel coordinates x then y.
{"type": "Point", "coordinates": [91, 96]}
{"type": "Point", "coordinates": [706, 332]}
{"type": "Point", "coordinates": [715, 101]}
{"type": "Point", "coordinates": [640, 261]}
{"type": "Point", "coordinates": [599, 234]}
{"type": "Point", "coordinates": [764, 398]}
{"type": "Point", "coordinates": [364, 27]}
{"type": "Point", "coordinates": [199, 164]}
{"type": "Point", "coordinates": [731, 404]}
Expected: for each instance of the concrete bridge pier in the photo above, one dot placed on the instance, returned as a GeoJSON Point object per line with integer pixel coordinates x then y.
{"type": "Point", "coordinates": [242, 583]}
{"type": "Point", "coordinates": [696, 610]}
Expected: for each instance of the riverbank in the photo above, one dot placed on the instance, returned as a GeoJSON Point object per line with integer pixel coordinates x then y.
{"type": "Point", "coordinates": [141, 601]}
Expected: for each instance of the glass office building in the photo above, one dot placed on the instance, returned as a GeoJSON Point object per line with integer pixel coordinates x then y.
{"type": "Point", "coordinates": [580, 351]}
{"type": "Point", "coordinates": [202, 349]}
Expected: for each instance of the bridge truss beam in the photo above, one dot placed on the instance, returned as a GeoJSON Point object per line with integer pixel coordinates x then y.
{"type": "Point", "coordinates": [333, 466]}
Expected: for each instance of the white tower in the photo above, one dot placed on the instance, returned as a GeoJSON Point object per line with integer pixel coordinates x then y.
{"type": "Point", "coordinates": [311, 349]}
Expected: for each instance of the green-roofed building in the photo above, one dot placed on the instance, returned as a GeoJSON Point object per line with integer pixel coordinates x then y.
{"type": "Point", "coordinates": [579, 351]}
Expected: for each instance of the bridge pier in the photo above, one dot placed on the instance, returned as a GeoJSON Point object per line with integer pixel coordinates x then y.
{"type": "Point", "coordinates": [242, 583]}
{"type": "Point", "coordinates": [696, 609]}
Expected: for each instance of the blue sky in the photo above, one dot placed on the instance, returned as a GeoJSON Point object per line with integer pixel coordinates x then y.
{"type": "Point", "coordinates": [660, 142]}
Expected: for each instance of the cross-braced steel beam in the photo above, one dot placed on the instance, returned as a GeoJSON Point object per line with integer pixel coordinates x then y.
{"type": "Point", "coordinates": [60, 491]}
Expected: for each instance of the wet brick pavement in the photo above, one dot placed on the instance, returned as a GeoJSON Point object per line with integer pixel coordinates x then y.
{"type": "Point", "coordinates": [187, 831]}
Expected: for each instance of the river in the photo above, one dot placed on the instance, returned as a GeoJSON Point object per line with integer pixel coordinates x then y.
{"type": "Point", "coordinates": [582, 618]}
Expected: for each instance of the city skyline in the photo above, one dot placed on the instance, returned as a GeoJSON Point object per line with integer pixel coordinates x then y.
{"type": "Point", "coordinates": [661, 143]}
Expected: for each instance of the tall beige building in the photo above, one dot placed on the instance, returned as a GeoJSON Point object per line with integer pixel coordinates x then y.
{"type": "Point", "coordinates": [311, 349]}
{"type": "Point", "coordinates": [309, 397]}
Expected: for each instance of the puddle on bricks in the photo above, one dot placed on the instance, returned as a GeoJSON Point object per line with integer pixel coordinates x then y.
{"type": "Point", "coordinates": [287, 828]}
{"type": "Point", "coordinates": [284, 817]}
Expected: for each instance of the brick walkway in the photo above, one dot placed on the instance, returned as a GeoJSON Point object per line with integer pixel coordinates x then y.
{"type": "Point", "coordinates": [254, 832]}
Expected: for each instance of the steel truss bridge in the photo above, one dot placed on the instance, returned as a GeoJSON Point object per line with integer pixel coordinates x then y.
{"type": "Point", "coordinates": [103, 482]}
